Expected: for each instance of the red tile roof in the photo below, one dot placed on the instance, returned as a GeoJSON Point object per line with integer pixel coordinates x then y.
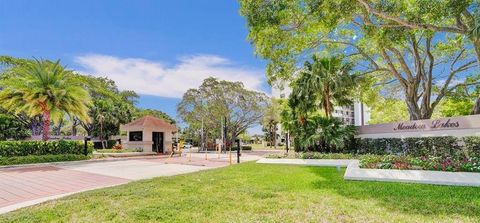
{"type": "Point", "coordinates": [151, 122]}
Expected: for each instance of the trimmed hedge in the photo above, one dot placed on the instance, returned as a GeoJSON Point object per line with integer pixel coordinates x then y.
{"type": "Point", "coordinates": [426, 146]}
{"type": "Point", "coordinates": [38, 148]}
{"type": "Point", "coordinates": [403, 162]}
{"type": "Point", "coordinates": [40, 159]}
{"type": "Point", "coordinates": [243, 148]}
{"type": "Point", "coordinates": [312, 155]}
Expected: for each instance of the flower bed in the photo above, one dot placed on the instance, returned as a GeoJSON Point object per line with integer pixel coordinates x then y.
{"type": "Point", "coordinates": [402, 162]}
{"type": "Point", "coordinates": [312, 155]}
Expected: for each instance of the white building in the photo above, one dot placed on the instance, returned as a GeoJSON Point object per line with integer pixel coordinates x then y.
{"type": "Point", "coordinates": [357, 114]}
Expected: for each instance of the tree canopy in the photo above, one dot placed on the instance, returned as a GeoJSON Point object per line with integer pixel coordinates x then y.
{"type": "Point", "coordinates": [42, 87]}
{"type": "Point", "coordinates": [216, 99]}
{"type": "Point", "coordinates": [426, 48]}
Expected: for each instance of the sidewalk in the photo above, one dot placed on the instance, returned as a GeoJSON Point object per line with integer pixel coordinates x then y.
{"type": "Point", "coordinates": [26, 185]}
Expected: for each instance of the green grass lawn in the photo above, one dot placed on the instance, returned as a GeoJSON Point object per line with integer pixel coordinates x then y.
{"type": "Point", "coordinates": [261, 193]}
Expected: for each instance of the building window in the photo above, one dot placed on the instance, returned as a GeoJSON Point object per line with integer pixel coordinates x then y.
{"type": "Point", "coordinates": [136, 136]}
{"type": "Point", "coordinates": [282, 95]}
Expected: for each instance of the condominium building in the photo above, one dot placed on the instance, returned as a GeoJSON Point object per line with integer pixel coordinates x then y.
{"type": "Point", "coordinates": [356, 114]}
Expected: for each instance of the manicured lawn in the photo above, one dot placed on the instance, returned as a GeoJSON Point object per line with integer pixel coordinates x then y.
{"type": "Point", "coordinates": [261, 193]}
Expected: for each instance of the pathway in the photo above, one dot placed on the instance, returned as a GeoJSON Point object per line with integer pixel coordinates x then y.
{"type": "Point", "coordinates": [25, 186]}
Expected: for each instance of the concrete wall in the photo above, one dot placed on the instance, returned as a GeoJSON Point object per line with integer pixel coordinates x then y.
{"type": "Point", "coordinates": [454, 126]}
{"type": "Point", "coordinates": [146, 144]}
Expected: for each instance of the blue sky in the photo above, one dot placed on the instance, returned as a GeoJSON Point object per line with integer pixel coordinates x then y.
{"type": "Point", "coordinates": [157, 48]}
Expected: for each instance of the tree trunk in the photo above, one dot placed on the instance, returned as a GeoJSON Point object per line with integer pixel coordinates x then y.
{"type": "Point", "coordinates": [287, 142]}
{"type": "Point", "coordinates": [74, 126]}
{"type": "Point", "coordinates": [476, 107]}
{"type": "Point", "coordinates": [46, 124]}
{"type": "Point", "coordinates": [275, 137]}
{"type": "Point", "coordinates": [36, 125]}
{"type": "Point", "coordinates": [101, 136]}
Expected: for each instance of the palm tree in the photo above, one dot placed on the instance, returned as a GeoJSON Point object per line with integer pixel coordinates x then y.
{"type": "Point", "coordinates": [43, 87]}
{"type": "Point", "coordinates": [321, 83]}
{"type": "Point", "coordinates": [271, 118]}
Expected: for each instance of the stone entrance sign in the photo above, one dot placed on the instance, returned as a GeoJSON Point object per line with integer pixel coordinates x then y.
{"type": "Point", "coordinates": [454, 126]}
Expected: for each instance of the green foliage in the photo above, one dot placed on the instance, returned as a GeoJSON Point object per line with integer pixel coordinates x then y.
{"type": "Point", "coordinates": [321, 84]}
{"type": "Point", "coordinates": [155, 113]}
{"type": "Point", "coordinates": [317, 155]}
{"type": "Point", "coordinates": [251, 192]}
{"type": "Point", "coordinates": [16, 160]}
{"type": "Point", "coordinates": [400, 44]}
{"type": "Point", "coordinates": [111, 107]}
{"type": "Point", "coordinates": [215, 99]}
{"type": "Point", "coordinates": [388, 110]}
{"type": "Point", "coordinates": [270, 121]}
{"type": "Point", "coordinates": [25, 148]}
{"type": "Point", "coordinates": [11, 128]}
{"type": "Point", "coordinates": [441, 163]}
{"type": "Point", "coordinates": [445, 146]}
{"type": "Point", "coordinates": [109, 144]}
{"type": "Point", "coordinates": [234, 148]}
{"type": "Point", "coordinates": [42, 87]}
{"type": "Point", "coordinates": [317, 133]}
{"type": "Point", "coordinates": [312, 155]}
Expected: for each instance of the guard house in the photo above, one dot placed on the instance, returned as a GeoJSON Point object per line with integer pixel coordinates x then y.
{"type": "Point", "coordinates": [149, 134]}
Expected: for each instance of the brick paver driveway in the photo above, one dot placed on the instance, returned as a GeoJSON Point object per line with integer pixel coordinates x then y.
{"type": "Point", "coordinates": [25, 186]}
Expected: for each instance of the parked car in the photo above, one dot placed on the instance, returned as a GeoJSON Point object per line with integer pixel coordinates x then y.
{"type": "Point", "coordinates": [187, 146]}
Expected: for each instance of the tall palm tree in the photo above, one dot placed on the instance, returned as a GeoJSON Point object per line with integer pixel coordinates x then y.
{"type": "Point", "coordinates": [322, 83]}
{"type": "Point", "coordinates": [43, 87]}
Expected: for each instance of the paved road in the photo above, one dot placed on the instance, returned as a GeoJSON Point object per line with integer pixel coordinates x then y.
{"type": "Point", "coordinates": [25, 186]}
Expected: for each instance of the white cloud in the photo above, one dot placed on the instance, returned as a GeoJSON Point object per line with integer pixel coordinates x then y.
{"type": "Point", "coordinates": [155, 78]}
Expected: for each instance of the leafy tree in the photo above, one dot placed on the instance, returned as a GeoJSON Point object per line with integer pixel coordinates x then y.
{"type": "Point", "coordinates": [110, 109]}
{"type": "Point", "coordinates": [387, 110]}
{"type": "Point", "coordinates": [159, 114]}
{"type": "Point", "coordinates": [215, 99]}
{"type": "Point", "coordinates": [270, 121]}
{"type": "Point", "coordinates": [11, 128]}
{"type": "Point", "coordinates": [44, 88]}
{"type": "Point", "coordinates": [321, 83]}
{"type": "Point", "coordinates": [425, 64]}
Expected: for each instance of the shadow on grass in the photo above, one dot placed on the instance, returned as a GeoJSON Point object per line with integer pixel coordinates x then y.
{"type": "Point", "coordinates": [404, 197]}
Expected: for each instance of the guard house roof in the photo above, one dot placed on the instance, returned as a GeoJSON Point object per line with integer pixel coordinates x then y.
{"type": "Point", "coordinates": [150, 123]}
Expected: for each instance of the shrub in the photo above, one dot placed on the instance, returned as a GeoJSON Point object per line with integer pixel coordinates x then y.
{"type": "Point", "coordinates": [25, 148]}
{"type": "Point", "coordinates": [110, 144]}
{"type": "Point", "coordinates": [11, 128]}
{"type": "Point", "coordinates": [450, 146]}
{"type": "Point", "coordinates": [472, 145]}
{"type": "Point", "coordinates": [441, 163]}
{"type": "Point", "coordinates": [15, 160]}
{"type": "Point", "coordinates": [318, 155]}
{"type": "Point", "coordinates": [243, 148]}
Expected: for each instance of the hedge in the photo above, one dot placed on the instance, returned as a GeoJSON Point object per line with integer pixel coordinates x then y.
{"type": "Point", "coordinates": [312, 155]}
{"type": "Point", "coordinates": [403, 162]}
{"type": "Point", "coordinates": [243, 148]}
{"type": "Point", "coordinates": [40, 159]}
{"type": "Point", "coordinates": [110, 144]}
{"type": "Point", "coordinates": [25, 148]}
{"type": "Point", "coordinates": [425, 146]}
